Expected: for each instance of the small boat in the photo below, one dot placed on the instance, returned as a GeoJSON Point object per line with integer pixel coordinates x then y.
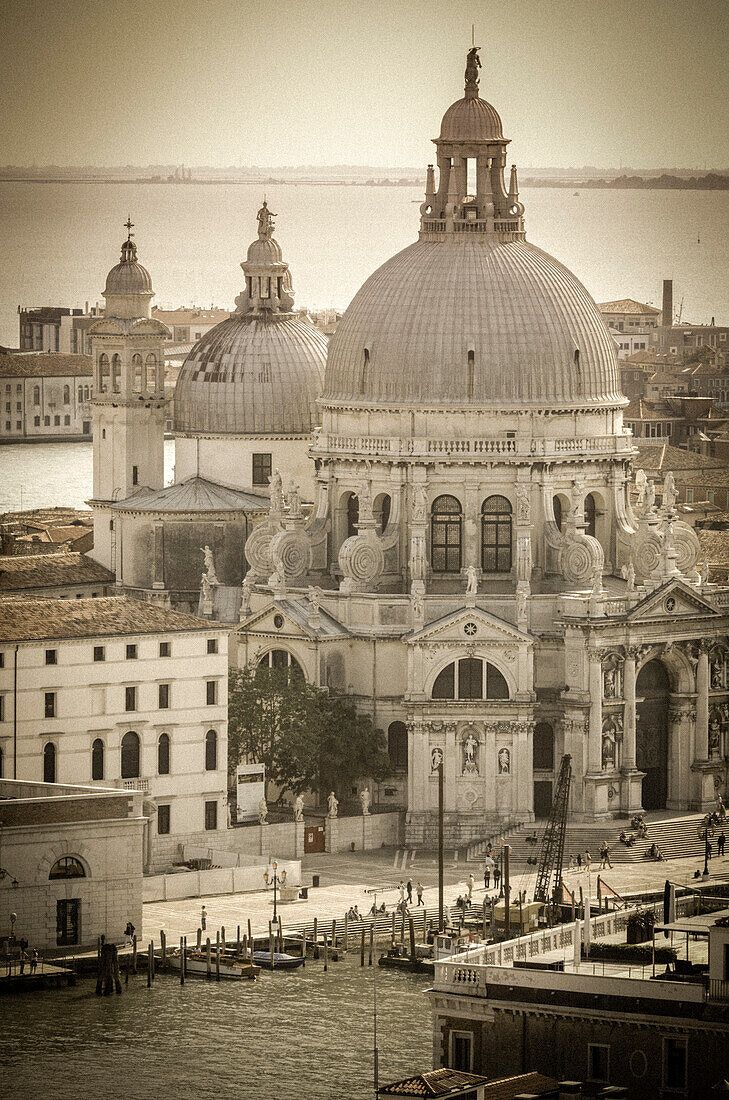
{"type": "Point", "coordinates": [281, 960]}
{"type": "Point", "coordinates": [196, 962]}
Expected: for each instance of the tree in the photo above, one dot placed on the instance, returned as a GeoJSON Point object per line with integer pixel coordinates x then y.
{"type": "Point", "coordinates": [306, 738]}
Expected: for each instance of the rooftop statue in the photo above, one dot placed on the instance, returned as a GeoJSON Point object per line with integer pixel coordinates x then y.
{"type": "Point", "coordinates": [473, 64]}
{"type": "Point", "coordinates": [265, 222]}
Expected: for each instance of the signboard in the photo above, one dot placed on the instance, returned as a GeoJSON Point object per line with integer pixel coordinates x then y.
{"type": "Point", "coordinates": [250, 789]}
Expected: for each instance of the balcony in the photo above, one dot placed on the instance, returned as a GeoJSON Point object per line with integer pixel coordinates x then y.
{"type": "Point", "coordinates": [523, 447]}
{"type": "Point", "coordinates": [135, 784]}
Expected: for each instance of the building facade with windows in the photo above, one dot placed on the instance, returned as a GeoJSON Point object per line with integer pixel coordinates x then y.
{"type": "Point", "coordinates": [120, 693]}
{"type": "Point", "coordinates": [45, 397]}
{"type": "Point", "coordinates": [475, 572]}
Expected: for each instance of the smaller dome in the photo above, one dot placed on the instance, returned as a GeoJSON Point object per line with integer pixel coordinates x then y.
{"type": "Point", "coordinates": [471, 119]}
{"type": "Point", "coordinates": [128, 277]}
{"type": "Point", "coordinates": [264, 250]}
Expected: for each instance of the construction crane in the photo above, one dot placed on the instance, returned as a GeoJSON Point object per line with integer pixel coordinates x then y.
{"type": "Point", "coordinates": [551, 851]}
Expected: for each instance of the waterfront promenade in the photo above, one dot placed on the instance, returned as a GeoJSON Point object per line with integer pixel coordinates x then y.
{"type": "Point", "coordinates": [345, 878]}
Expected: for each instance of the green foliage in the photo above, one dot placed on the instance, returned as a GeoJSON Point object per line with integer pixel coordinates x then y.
{"type": "Point", "coordinates": [306, 738]}
{"type": "Point", "coordinates": [632, 953]}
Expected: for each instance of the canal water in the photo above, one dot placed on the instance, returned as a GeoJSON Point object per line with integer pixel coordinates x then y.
{"type": "Point", "coordinates": [304, 1035]}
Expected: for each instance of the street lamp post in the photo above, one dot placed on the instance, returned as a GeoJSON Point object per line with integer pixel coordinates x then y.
{"type": "Point", "coordinates": [274, 880]}
{"type": "Point", "coordinates": [705, 831]}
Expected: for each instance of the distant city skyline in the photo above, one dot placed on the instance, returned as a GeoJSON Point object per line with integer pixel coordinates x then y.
{"type": "Point", "coordinates": [224, 84]}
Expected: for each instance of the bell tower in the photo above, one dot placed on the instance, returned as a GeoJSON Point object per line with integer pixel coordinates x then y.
{"type": "Point", "coordinates": [128, 395]}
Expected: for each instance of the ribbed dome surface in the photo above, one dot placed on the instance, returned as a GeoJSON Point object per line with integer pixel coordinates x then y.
{"type": "Point", "coordinates": [265, 250]}
{"type": "Point", "coordinates": [471, 119]}
{"type": "Point", "coordinates": [518, 309]}
{"type": "Point", "coordinates": [128, 277]}
{"type": "Point", "coordinates": [252, 376]}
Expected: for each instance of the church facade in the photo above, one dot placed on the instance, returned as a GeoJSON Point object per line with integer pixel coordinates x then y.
{"type": "Point", "coordinates": [474, 571]}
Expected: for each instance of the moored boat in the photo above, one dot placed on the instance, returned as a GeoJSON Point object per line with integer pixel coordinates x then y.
{"type": "Point", "coordinates": [281, 960]}
{"type": "Point", "coordinates": [196, 962]}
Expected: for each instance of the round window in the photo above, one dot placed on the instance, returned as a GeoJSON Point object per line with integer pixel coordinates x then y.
{"type": "Point", "coordinates": [278, 621]}
{"type": "Point", "coordinates": [670, 604]}
{"type": "Point", "coordinates": [638, 1063]}
{"type": "Point", "coordinates": [470, 629]}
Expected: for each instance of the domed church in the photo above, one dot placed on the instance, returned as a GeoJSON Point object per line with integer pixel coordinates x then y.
{"type": "Point", "coordinates": [473, 572]}
{"type": "Point", "coordinates": [245, 403]}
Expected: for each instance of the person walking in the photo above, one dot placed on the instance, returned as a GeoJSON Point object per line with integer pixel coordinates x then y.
{"type": "Point", "coordinates": [487, 875]}
{"type": "Point", "coordinates": [419, 892]}
{"type": "Point", "coordinates": [470, 883]}
{"type": "Point", "coordinates": [204, 918]}
{"type": "Point", "coordinates": [588, 862]}
{"type": "Point", "coordinates": [605, 856]}
{"type": "Point", "coordinates": [720, 843]}
{"type": "Point", "coordinates": [497, 876]}
{"type": "Point", "coordinates": [409, 889]}
{"type": "Point", "coordinates": [401, 889]}
{"type": "Point", "coordinates": [33, 961]}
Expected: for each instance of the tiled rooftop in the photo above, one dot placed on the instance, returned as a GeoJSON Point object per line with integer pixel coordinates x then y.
{"type": "Point", "coordinates": [18, 573]}
{"type": "Point", "coordinates": [45, 365]}
{"type": "Point", "coordinates": [627, 305]}
{"type": "Point", "coordinates": [108, 616]}
{"type": "Point", "coordinates": [652, 458]}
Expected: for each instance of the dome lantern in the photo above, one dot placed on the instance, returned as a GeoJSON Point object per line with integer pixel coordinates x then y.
{"type": "Point", "coordinates": [128, 290]}
{"type": "Point", "coordinates": [268, 286]}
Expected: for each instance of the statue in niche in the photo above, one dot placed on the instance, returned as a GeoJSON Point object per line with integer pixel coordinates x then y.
{"type": "Point", "coordinates": [277, 498]}
{"type": "Point", "coordinates": [504, 761]}
{"type": "Point", "coordinates": [522, 600]}
{"type": "Point", "coordinates": [610, 683]}
{"type": "Point", "coordinates": [265, 222]}
{"type": "Point", "coordinates": [717, 673]}
{"type": "Point", "coordinates": [629, 575]}
{"type": "Point", "coordinates": [471, 580]}
{"type": "Point", "coordinates": [417, 558]}
{"type": "Point", "coordinates": [416, 603]}
{"type": "Point", "coordinates": [364, 495]}
{"type": "Point", "coordinates": [608, 748]}
{"type": "Point", "coordinates": [714, 736]}
{"type": "Point", "coordinates": [420, 505]}
{"type": "Point", "coordinates": [470, 755]}
{"type": "Point", "coordinates": [436, 758]}
{"type": "Point", "coordinates": [522, 503]}
{"type": "Point", "coordinates": [209, 564]}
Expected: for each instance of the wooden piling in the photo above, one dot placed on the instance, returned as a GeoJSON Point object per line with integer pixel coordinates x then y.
{"type": "Point", "coordinates": [372, 943]}
{"type": "Point", "coordinates": [237, 941]}
{"type": "Point", "coordinates": [217, 956]}
{"type": "Point", "coordinates": [243, 950]}
{"type": "Point", "coordinates": [402, 926]}
{"type": "Point", "coordinates": [271, 945]}
{"type": "Point", "coordinates": [163, 947]}
{"type": "Point", "coordinates": [346, 933]}
{"type": "Point", "coordinates": [303, 944]}
{"type": "Point", "coordinates": [150, 956]}
{"type": "Point", "coordinates": [326, 953]}
{"type": "Point", "coordinates": [316, 938]}
{"type": "Point", "coordinates": [134, 952]}
{"type": "Point", "coordinates": [184, 956]}
{"type": "Point", "coordinates": [199, 939]}
{"type": "Point", "coordinates": [182, 960]}
{"type": "Point", "coordinates": [208, 960]}
{"type": "Point", "coordinates": [280, 934]}
{"type": "Point", "coordinates": [222, 938]}
{"type": "Point", "coordinates": [362, 949]}
{"type": "Point", "coordinates": [250, 935]}
{"type": "Point", "coordinates": [394, 927]}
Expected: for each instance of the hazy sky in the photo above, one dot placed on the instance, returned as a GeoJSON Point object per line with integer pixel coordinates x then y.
{"type": "Point", "coordinates": [605, 82]}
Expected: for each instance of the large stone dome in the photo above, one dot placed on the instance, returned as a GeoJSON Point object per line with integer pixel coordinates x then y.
{"type": "Point", "coordinates": [471, 119]}
{"type": "Point", "coordinates": [534, 334]}
{"type": "Point", "coordinates": [128, 276]}
{"type": "Point", "coordinates": [252, 375]}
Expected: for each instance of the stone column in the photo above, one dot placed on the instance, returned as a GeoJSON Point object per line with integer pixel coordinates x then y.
{"type": "Point", "coordinates": [702, 705]}
{"type": "Point", "coordinates": [594, 744]}
{"type": "Point", "coordinates": [451, 769]}
{"type": "Point", "coordinates": [629, 742]}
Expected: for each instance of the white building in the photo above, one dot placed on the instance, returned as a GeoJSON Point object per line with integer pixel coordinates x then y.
{"type": "Point", "coordinates": [116, 692]}
{"type": "Point", "coordinates": [44, 397]}
{"type": "Point", "coordinates": [473, 573]}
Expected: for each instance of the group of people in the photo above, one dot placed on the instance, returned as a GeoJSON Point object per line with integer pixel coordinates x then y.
{"type": "Point", "coordinates": [354, 914]}
{"type": "Point", "coordinates": [27, 956]}
{"type": "Point", "coordinates": [406, 894]}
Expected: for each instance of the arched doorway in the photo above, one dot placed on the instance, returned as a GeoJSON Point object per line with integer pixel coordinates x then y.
{"type": "Point", "coordinates": [652, 690]}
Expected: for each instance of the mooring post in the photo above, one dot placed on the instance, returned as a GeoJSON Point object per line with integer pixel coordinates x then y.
{"type": "Point", "coordinates": [222, 938]}
{"type": "Point", "coordinates": [326, 953]}
{"type": "Point", "coordinates": [372, 943]}
{"type": "Point", "coordinates": [413, 961]}
{"type": "Point", "coordinates": [244, 948]}
{"type": "Point", "coordinates": [217, 956]}
{"type": "Point", "coordinates": [199, 939]}
{"type": "Point", "coordinates": [362, 949]}
{"type": "Point", "coordinates": [182, 960]}
{"type": "Point", "coordinates": [208, 960]}
{"type": "Point", "coordinates": [271, 944]}
{"type": "Point", "coordinates": [237, 941]}
{"type": "Point", "coordinates": [394, 927]}
{"type": "Point", "coordinates": [163, 947]}
{"type": "Point", "coordinates": [303, 943]}
{"type": "Point", "coordinates": [346, 932]}
{"type": "Point", "coordinates": [250, 935]}
{"type": "Point", "coordinates": [134, 952]}
{"type": "Point", "coordinates": [316, 938]}
{"type": "Point", "coordinates": [149, 965]}
{"type": "Point", "coordinates": [280, 934]}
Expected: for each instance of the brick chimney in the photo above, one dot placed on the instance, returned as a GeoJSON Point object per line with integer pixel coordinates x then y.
{"type": "Point", "coordinates": [667, 318]}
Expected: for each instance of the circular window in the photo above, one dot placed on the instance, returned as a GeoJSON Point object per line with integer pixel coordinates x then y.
{"type": "Point", "coordinates": [278, 621]}
{"type": "Point", "coordinates": [470, 629]}
{"type": "Point", "coordinates": [670, 604]}
{"type": "Point", "coordinates": [638, 1063]}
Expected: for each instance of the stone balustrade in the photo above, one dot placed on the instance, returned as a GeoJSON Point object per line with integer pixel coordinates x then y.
{"type": "Point", "coordinates": [391, 446]}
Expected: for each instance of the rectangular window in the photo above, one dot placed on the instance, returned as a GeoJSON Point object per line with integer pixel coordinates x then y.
{"type": "Point", "coordinates": [164, 696]}
{"type": "Point", "coordinates": [131, 652]}
{"type": "Point", "coordinates": [66, 420]}
{"type": "Point", "coordinates": [211, 692]}
{"type": "Point", "coordinates": [56, 421]}
{"type": "Point", "coordinates": [164, 649]}
{"type": "Point", "coordinates": [130, 698]}
{"type": "Point", "coordinates": [2, 660]}
{"type": "Point", "coordinates": [211, 816]}
{"type": "Point", "coordinates": [51, 656]}
{"type": "Point", "coordinates": [68, 921]}
{"type": "Point", "coordinates": [470, 678]}
{"type": "Point", "coordinates": [598, 1062]}
{"type": "Point", "coordinates": [212, 645]}
{"type": "Point", "coordinates": [99, 653]}
{"type": "Point", "coordinates": [87, 427]}
{"type": "Point", "coordinates": [46, 421]}
{"type": "Point", "coordinates": [36, 421]}
{"type": "Point", "coordinates": [50, 704]}
{"type": "Point", "coordinates": [710, 496]}
{"type": "Point", "coordinates": [674, 1063]}
{"type": "Point", "coordinates": [689, 496]}
{"type": "Point", "coordinates": [163, 820]}
{"type": "Point", "coordinates": [135, 475]}
{"type": "Point", "coordinates": [461, 1043]}
{"type": "Point", "coordinates": [261, 468]}
{"type": "Point", "coordinates": [2, 710]}
{"type": "Point", "coordinates": [18, 425]}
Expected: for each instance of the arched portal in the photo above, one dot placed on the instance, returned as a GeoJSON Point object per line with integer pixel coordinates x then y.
{"type": "Point", "coordinates": [652, 691]}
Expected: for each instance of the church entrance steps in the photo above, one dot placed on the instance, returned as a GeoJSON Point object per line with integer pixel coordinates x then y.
{"type": "Point", "coordinates": [676, 836]}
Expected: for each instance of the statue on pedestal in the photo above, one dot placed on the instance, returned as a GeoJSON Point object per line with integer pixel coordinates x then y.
{"type": "Point", "coordinates": [364, 797]}
{"type": "Point", "coordinates": [209, 564]}
{"type": "Point", "coordinates": [299, 808]}
{"type": "Point", "coordinates": [262, 811]}
{"type": "Point", "coordinates": [471, 580]}
{"type": "Point", "coordinates": [333, 803]}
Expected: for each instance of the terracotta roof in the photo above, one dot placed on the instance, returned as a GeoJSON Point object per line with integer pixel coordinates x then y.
{"type": "Point", "coordinates": [45, 365]}
{"type": "Point", "coordinates": [640, 409]}
{"type": "Point", "coordinates": [653, 358]}
{"type": "Point", "coordinates": [664, 457]}
{"type": "Point", "coordinates": [56, 534]}
{"type": "Point", "coordinates": [627, 305]}
{"type": "Point", "coordinates": [451, 1082]}
{"type": "Point", "coordinates": [50, 570]}
{"type": "Point", "coordinates": [107, 616]}
{"type": "Point", "coordinates": [197, 494]}
{"type": "Point", "coordinates": [715, 550]}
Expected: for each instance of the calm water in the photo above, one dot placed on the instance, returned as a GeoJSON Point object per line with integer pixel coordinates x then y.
{"type": "Point", "coordinates": [282, 1037]}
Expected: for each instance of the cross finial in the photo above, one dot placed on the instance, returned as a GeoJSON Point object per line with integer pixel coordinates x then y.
{"type": "Point", "coordinates": [129, 225]}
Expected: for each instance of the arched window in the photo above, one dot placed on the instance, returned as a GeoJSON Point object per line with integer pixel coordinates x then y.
{"type": "Point", "coordinates": [557, 506]}
{"type": "Point", "coordinates": [49, 763]}
{"type": "Point", "coordinates": [496, 535]}
{"type": "Point", "coordinates": [445, 535]}
{"type": "Point", "coordinates": [163, 754]}
{"type": "Point", "coordinates": [116, 373]}
{"type": "Point", "coordinates": [36, 395]}
{"type": "Point", "coordinates": [383, 503]}
{"type": "Point", "coordinates": [66, 395]}
{"type": "Point", "coordinates": [352, 514]}
{"type": "Point", "coordinates": [211, 751]}
{"type": "Point", "coordinates": [397, 746]}
{"type": "Point", "coordinates": [137, 372]}
{"type": "Point", "coordinates": [151, 373]}
{"type": "Point", "coordinates": [103, 373]}
{"type": "Point", "coordinates": [543, 746]}
{"type": "Point", "coordinates": [97, 759]}
{"type": "Point", "coordinates": [590, 515]}
{"type": "Point", "coordinates": [80, 394]}
{"type": "Point", "coordinates": [86, 393]}
{"type": "Point", "coordinates": [365, 371]}
{"type": "Point", "coordinates": [466, 679]}
{"type": "Point", "coordinates": [67, 867]}
{"type": "Point", "coordinates": [471, 370]}
{"type": "Point", "coordinates": [130, 755]}
{"type": "Point", "coordinates": [280, 658]}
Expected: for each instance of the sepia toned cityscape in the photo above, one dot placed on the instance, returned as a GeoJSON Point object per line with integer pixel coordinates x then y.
{"type": "Point", "coordinates": [364, 550]}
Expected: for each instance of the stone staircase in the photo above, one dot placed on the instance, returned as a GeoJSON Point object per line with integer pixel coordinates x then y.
{"type": "Point", "coordinates": [675, 836]}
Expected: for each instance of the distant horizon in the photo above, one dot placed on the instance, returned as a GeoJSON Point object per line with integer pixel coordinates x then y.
{"type": "Point", "coordinates": [410, 170]}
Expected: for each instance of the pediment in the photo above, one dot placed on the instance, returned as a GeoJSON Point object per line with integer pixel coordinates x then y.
{"type": "Point", "coordinates": [149, 327]}
{"type": "Point", "coordinates": [107, 326]}
{"type": "Point", "coordinates": [673, 599]}
{"type": "Point", "coordinates": [297, 622]}
{"type": "Point", "coordinates": [453, 628]}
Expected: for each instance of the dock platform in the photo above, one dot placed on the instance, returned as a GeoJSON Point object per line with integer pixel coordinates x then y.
{"type": "Point", "coordinates": [45, 976]}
